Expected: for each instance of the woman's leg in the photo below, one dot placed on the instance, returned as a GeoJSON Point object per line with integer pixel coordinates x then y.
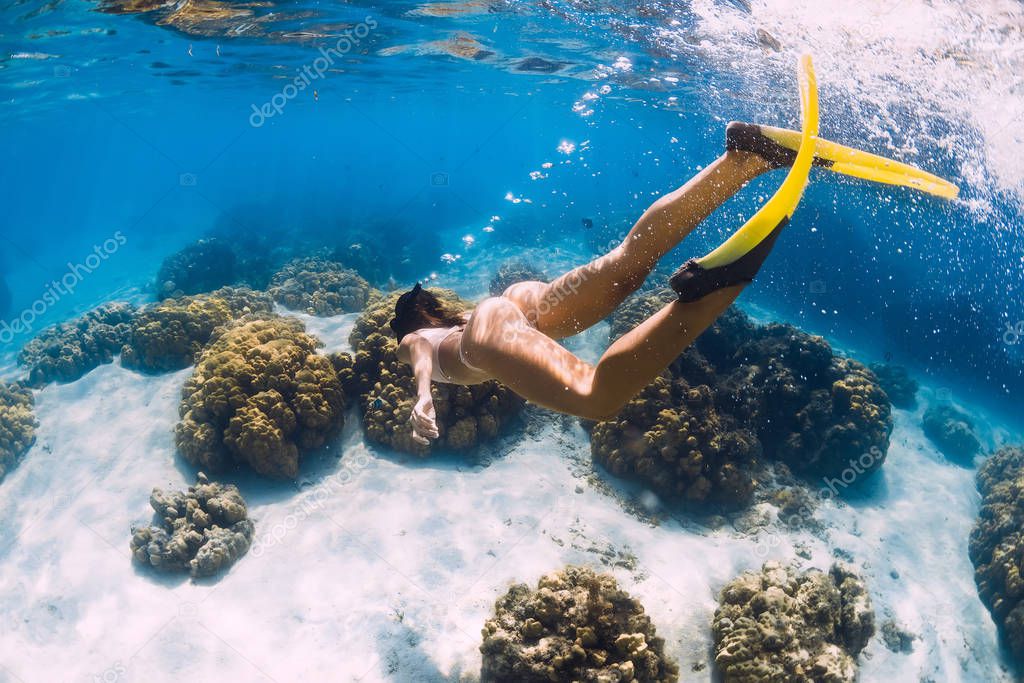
{"type": "Point", "coordinates": [637, 357]}
{"type": "Point", "coordinates": [501, 342]}
{"type": "Point", "coordinates": [586, 295]}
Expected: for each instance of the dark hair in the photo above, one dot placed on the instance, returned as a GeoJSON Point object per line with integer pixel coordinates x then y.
{"type": "Point", "coordinates": [417, 309]}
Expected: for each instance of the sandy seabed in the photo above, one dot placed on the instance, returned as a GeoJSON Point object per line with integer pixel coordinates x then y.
{"type": "Point", "coordinates": [378, 567]}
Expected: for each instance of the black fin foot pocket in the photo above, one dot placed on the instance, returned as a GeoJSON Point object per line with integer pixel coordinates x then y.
{"type": "Point", "coordinates": [693, 281]}
{"type": "Point", "coordinates": [747, 137]}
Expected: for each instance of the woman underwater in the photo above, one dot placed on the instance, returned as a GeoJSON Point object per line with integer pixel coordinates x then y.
{"type": "Point", "coordinates": [512, 338]}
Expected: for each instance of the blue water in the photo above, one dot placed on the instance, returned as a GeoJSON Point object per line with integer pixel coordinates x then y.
{"type": "Point", "coordinates": [522, 124]}
{"type": "Point", "coordinates": [145, 129]}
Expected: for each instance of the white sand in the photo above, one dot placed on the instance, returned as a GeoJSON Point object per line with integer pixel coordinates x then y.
{"type": "Point", "coordinates": [376, 567]}
{"type": "Point", "coordinates": [333, 331]}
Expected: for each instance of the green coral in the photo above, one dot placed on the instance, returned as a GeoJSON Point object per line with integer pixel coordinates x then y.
{"type": "Point", "coordinates": [203, 531]}
{"type": "Point", "coordinates": [576, 626]}
{"type": "Point", "coordinates": [796, 401]}
{"type": "Point", "coordinates": [169, 335]}
{"type": "Point", "coordinates": [261, 395]}
{"type": "Point", "coordinates": [466, 415]}
{"type": "Point", "coordinates": [320, 287]}
{"type": "Point", "coordinates": [17, 424]}
{"type": "Point", "coordinates": [996, 545]}
{"type": "Point", "coordinates": [67, 351]}
{"type": "Point", "coordinates": [782, 625]}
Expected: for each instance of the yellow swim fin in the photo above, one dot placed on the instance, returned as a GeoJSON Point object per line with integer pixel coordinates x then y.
{"type": "Point", "coordinates": [739, 257]}
{"type": "Point", "coordinates": [737, 260]}
{"type": "Point", "coordinates": [778, 146]}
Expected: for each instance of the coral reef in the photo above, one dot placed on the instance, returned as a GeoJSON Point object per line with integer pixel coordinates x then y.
{"type": "Point", "coordinates": [796, 506]}
{"type": "Point", "coordinates": [672, 437]}
{"type": "Point", "coordinates": [203, 531]}
{"type": "Point", "coordinates": [900, 387]}
{"type": "Point", "coordinates": [365, 255]}
{"type": "Point", "coordinates": [466, 416]}
{"type": "Point", "coordinates": [261, 239]}
{"type": "Point", "coordinates": [782, 625]}
{"type": "Point", "coordinates": [386, 251]}
{"type": "Point", "coordinates": [638, 308]}
{"type": "Point", "coordinates": [257, 258]}
{"type": "Point", "coordinates": [896, 638]}
{"type": "Point", "coordinates": [169, 335]}
{"type": "Point", "coordinates": [844, 419]}
{"type": "Point", "coordinates": [953, 432]}
{"type": "Point", "coordinates": [512, 272]}
{"type": "Point", "coordinates": [68, 351]}
{"type": "Point", "coordinates": [997, 545]}
{"type": "Point", "coordinates": [200, 267]}
{"type": "Point", "coordinates": [576, 626]}
{"type": "Point", "coordinates": [17, 424]}
{"type": "Point", "coordinates": [319, 287]}
{"type": "Point", "coordinates": [768, 389]}
{"type": "Point", "coordinates": [260, 395]}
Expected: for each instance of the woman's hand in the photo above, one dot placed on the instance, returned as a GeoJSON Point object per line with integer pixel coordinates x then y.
{"type": "Point", "coordinates": [424, 421]}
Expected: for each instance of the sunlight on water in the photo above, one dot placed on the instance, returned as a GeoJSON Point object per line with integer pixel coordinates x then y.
{"type": "Point", "coordinates": [922, 78]}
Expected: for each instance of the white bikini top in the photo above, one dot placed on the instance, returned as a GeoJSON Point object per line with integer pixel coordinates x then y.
{"type": "Point", "coordinates": [436, 336]}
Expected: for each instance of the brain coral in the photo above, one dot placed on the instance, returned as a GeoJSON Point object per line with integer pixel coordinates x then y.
{"type": "Point", "coordinates": [794, 399]}
{"type": "Point", "coordinates": [319, 287]}
{"type": "Point", "coordinates": [953, 432]}
{"type": "Point", "coordinates": [260, 395]}
{"type": "Point", "coordinates": [199, 267]}
{"type": "Point", "coordinates": [466, 416]}
{"type": "Point", "coordinates": [576, 626]}
{"type": "Point", "coordinates": [997, 545]}
{"type": "Point", "coordinates": [782, 625]}
{"type": "Point", "coordinates": [203, 530]}
{"type": "Point", "coordinates": [168, 336]}
{"type": "Point", "coordinates": [17, 424]}
{"type": "Point", "coordinates": [67, 351]}
{"type": "Point", "coordinates": [512, 272]}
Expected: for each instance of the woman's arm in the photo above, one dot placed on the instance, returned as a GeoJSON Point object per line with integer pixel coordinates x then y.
{"type": "Point", "coordinates": [418, 352]}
